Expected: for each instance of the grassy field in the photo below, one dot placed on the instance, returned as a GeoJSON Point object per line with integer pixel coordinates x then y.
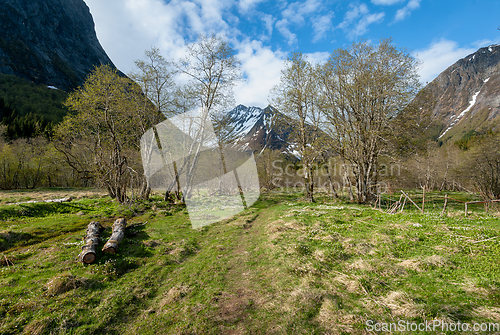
{"type": "Point", "coordinates": [281, 267]}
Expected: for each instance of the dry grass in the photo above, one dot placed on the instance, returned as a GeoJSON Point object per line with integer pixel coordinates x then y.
{"type": "Point", "coordinates": [174, 294]}
{"type": "Point", "coordinates": [38, 326]}
{"type": "Point", "coordinates": [337, 321]}
{"type": "Point", "coordinates": [436, 260]}
{"type": "Point", "coordinates": [62, 283]}
{"type": "Point", "coordinates": [352, 285]}
{"type": "Point", "coordinates": [361, 264]}
{"type": "Point", "coordinates": [471, 286]}
{"type": "Point", "coordinates": [490, 313]}
{"type": "Point", "coordinates": [401, 305]}
{"type": "Point", "coordinates": [412, 264]}
{"type": "Point", "coordinates": [420, 264]}
{"type": "Point", "coordinates": [8, 197]}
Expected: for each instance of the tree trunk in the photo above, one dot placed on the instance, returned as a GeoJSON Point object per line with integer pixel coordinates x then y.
{"type": "Point", "coordinates": [309, 184]}
{"type": "Point", "coordinates": [111, 247]}
{"type": "Point", "coordinates": [347, 181]}
{"type": "Point", "coordinates": [330, 180]}
{"type": "Point", "coordinates": [145, 189]}
{"type": "Point", "coordinates": [88, 254]}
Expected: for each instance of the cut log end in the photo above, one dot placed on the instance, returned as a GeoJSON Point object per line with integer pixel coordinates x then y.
{"type": "Point", "coordinates": [88, 258]}
{"type": "Point", "coordinates": [109, 250]}
{"type": "Point", "coordinates": [111, 247]}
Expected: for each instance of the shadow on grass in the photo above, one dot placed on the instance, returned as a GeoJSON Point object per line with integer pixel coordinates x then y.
{"type": "Point", "coordinates": [11, 239]}
{"type": "Point", "coordinates": [38, 209]}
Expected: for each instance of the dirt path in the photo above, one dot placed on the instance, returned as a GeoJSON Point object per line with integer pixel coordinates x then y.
{"type": "Point", "coordinates": [242, 294]}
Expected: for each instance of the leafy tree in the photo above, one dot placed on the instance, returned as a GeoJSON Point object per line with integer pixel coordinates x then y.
{"type": "Point", "coordinates": [364, 88]}
{"type": "Point", "coordinates": [101, 138]}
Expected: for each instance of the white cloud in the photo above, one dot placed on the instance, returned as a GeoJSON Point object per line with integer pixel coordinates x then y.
{"type": "Point", "coordinates": [438, 57]}
{"type": "Point", "coordinates": [357, 20]}
{"type": "Point", "coordinates": [262, 69]}
{"type": "Point", "coordinates": [282, 26]}
{"type": "Point", "coordinates": [352, 14]}
{"type": "Point", "coordinates": [317, 57]}
{"type": "Point", "coordinates": [126, 28]}
{"type": "Point", "coordinates": [247, 5]}
{"type": "Point", "coordinates": [295, 14]}
{"type": "Point", "coordinates": [322, 25]}
{"type": "Point", "coordinates": [362, 26]}
{"type": "Point", "coordinates": [269, 21]}
{"type": "Point", "coordinates": [486, 42]}
{"type": "Point", "coordinates": [386, 2]}
{"type": "Point", "coordinates": [404, 12]}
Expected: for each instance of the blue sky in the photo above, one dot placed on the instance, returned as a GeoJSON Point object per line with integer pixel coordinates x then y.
{"type": "Point", "coordinates": [264, 33]}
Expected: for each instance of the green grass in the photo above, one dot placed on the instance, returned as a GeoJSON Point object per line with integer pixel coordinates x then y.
{"type": "Point", "coordinates": [283, 266]}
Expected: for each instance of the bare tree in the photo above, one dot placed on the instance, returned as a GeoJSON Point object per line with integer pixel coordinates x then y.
{"type": "Point", "coordinates": [212, 70]}
{"type": "Point", "coordinates": [483, 167]}
{"type": "Point", "coordinates": [155, 75]}
{"type": "Point", "coordinates": [364, 88]}
{"type": "Point", "coordinates": [297, 97]}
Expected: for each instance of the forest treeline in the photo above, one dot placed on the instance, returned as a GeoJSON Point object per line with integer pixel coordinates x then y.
{"type": "Point", "coordinates": [356, 125]}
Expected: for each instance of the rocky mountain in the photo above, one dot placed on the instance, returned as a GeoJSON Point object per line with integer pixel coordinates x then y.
{"type": "Point", "coordinates": [466, 96]}
{"type": "Point", "coordinates": [52, 42]}
{"type": "Point", "coordinates": [257, 128]}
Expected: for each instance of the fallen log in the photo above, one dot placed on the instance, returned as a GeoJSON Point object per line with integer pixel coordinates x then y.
{"type": "Point", "coordinates": [37, 201]}
{"type": "Point", "coordinates": [88, 254]}
{"type": "Point", "coordinates": [111, 247]}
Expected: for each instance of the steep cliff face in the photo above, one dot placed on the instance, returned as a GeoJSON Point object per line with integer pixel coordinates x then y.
{"type": "Point", "coordinates": [467, 95]}
{"type": "Point", "coordinates": [49, 41]}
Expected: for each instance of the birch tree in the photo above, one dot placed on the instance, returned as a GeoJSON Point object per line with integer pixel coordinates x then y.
{"type": "Point", "coordinates": [155, 75]}
{"type": "Point", "coordinates": [212, 70]}
{"type": "Point", "coordinates": [297, 97]}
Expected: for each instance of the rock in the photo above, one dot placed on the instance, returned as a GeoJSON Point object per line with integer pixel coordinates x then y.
{"type": "Point", "coordinates": [468, 93]}
{"type": "Point", "coordinates": [52, 42]}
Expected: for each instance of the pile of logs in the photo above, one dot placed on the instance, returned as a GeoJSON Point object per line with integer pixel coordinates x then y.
{"type": "Point", "coordinates": [92, 239]}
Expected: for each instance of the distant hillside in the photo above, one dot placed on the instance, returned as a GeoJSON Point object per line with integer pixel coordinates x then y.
{"type": "Point", "coordinates": [52, 42]}
{"type": "Point", "coordinates": [467, 96]}
{"type": "Point", "coordinates": [28, 109]}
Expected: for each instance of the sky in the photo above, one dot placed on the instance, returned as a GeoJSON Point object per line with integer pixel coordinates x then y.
{"type": "Point", "coordinates": [264, 33]}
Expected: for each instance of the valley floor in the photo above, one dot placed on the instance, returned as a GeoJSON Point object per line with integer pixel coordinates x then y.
{"type": "Point", "coordinates": [283, 266]}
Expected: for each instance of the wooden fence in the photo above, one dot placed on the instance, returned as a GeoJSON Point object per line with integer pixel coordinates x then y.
{"type": "Point", "coordinates": [399, 205]}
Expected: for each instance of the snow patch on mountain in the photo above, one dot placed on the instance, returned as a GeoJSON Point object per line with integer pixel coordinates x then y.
{"type": "Point", "coordinates": [459, 117]}
{"type": "Point", "coordinates": [244, 119]}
